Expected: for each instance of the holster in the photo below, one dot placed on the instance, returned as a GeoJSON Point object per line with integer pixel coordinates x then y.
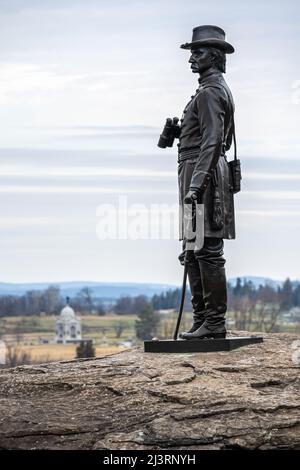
{"type": "Point", "coordinates": [235, 174]}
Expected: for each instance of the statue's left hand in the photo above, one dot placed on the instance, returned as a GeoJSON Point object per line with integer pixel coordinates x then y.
{"type": "Point", "coordinates": [191, 197]}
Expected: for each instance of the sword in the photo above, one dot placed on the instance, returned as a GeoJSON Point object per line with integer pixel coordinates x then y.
{"type": "Point", "coordinates": [182, 297]}
{"type": "Point", "coordinates": [194, 236]}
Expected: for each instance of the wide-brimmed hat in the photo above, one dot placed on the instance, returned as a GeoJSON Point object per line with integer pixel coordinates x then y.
{"type": "Point", "coordinates": [209, 35]}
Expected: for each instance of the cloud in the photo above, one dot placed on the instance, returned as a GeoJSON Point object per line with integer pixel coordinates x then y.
{"type": "Point", "coordinates": [89, 171]}
{"type": "Point", "coordinates": [23, 79]}
{"type": "Point", "coordinates": [83, 172]}
{"type": "Point", "coordinates": [23, 222]}
{"type": "Point", "coordinates": [269, 213]}
{"type": "Point", "coordinates": [79, 190]}
{"type": "Point", "coordinates": [278, 195]}
{"type": "Point", "coordinates": [272, 176]}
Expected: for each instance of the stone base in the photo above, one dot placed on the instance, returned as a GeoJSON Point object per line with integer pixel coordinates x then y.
{"type": "Point", "coordinates": [200, 345]}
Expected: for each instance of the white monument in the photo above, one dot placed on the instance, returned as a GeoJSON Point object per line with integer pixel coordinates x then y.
{"type": "Point", "coordinates": [2, 352]}
{"type": "Point", "coordinates": [68, 326]}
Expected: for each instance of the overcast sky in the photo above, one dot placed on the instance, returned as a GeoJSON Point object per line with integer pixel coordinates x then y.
{"type": "Point", "coordinates": [85, 87]}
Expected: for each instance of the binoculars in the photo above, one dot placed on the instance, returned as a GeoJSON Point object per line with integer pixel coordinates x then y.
{"type": "Point", "coordinates": [170, 131]}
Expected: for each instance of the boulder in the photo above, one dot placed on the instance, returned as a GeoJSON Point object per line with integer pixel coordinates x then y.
{"type": "Point", "coordinates": [244, 399]}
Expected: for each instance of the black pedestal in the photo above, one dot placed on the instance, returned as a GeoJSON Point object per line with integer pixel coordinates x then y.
{"type": "Point", "coordinates": [200, 345]}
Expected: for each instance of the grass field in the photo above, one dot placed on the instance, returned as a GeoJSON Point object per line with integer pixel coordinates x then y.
{"type": "Point", "coordinates": [58, 352]}
{"type": "Point", "coordinates": [101, 328]}
{"type": "Point", "coordinates": [34, 335]}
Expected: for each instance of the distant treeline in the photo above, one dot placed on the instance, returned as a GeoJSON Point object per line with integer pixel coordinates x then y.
{"type": "Point", "coordinates": [287, 296]}
{"type": "Point", "coordinates": [50, 300]}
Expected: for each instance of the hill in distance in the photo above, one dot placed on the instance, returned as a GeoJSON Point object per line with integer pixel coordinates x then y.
{"type": "Point", "coordinates": [103, 290]}
{"type": "Point", "coordinates": [114, 290]}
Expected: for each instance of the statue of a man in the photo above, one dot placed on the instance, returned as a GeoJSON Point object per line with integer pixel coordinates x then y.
{"type": "Point", "coordinates": [206, 132]}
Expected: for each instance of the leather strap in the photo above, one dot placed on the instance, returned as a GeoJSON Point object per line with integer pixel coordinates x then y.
{"type": "Point", "coordinates": [230, 99]}
{"type": "Point", "coordinates": [233, 124]}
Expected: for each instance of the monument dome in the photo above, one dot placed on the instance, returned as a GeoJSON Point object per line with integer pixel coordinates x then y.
{"type": "Point", "coordinates": [68, 326]}
{"type": "Point", "coordinates": [67, 312]}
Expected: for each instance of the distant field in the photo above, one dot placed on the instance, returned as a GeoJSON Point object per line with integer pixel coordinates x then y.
{"type": "Point", "coordinates": [35, 334]}
{"type": "Point", "coordinates": [46, 323]}
{"type": "Point", "coordinates": [34, 328]}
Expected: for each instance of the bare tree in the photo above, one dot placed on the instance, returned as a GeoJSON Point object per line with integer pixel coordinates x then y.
{"type": "Point", "coordinates": [267, 316]}
{"type": "Point", "coordinates": [85, 296]}
{"type": "Point", "coordinates": [243, 308]}
{"type": "Point", "coordinates": [119, 328]}
{"type": "Point", "coordinates": [51, 300]}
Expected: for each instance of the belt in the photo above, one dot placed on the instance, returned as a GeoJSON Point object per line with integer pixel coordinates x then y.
{"type": "Point", "coordinates": [194, 153]}
{"type": "Point", "coordinates": [188, 153]}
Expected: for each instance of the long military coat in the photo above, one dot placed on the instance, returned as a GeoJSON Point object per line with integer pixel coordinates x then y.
{"type": "Point", "coordinates": [206, 133]}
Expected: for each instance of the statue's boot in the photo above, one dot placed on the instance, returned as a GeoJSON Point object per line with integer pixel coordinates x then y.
{"type": "Point", "coordinates": [197, 300]}
{"type": "Point", "coordinates": [215, 300]}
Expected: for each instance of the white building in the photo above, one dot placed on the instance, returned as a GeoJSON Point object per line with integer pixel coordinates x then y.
{"type": "Point", "coordinates": [2, 352]}
{"type": "Point", "coordinates": [68, 326]}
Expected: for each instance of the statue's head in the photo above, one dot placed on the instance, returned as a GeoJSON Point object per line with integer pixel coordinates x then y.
{"type": "Point", "coordinates": [205, 57]}
{"type": "Point", "coordinates": [208, 49]}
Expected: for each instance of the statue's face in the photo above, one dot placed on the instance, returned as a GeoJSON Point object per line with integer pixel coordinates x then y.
{"type": "Point", "coordinates": [200, 59]}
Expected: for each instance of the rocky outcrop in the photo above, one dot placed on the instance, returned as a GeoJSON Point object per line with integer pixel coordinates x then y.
{"type": "Point", "coordinates": [243, 399]}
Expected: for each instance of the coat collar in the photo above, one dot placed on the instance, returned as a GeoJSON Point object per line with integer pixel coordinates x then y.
{"type": "Point", "coordinates": [209, 76]}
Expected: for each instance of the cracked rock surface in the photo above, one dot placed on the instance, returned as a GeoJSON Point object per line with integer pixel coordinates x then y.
{"type": "Point", "coordinates": [244, 399]}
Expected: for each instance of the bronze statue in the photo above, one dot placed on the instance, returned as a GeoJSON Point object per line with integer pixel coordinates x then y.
{"type": "Point", "coordinates": [205, 133]}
